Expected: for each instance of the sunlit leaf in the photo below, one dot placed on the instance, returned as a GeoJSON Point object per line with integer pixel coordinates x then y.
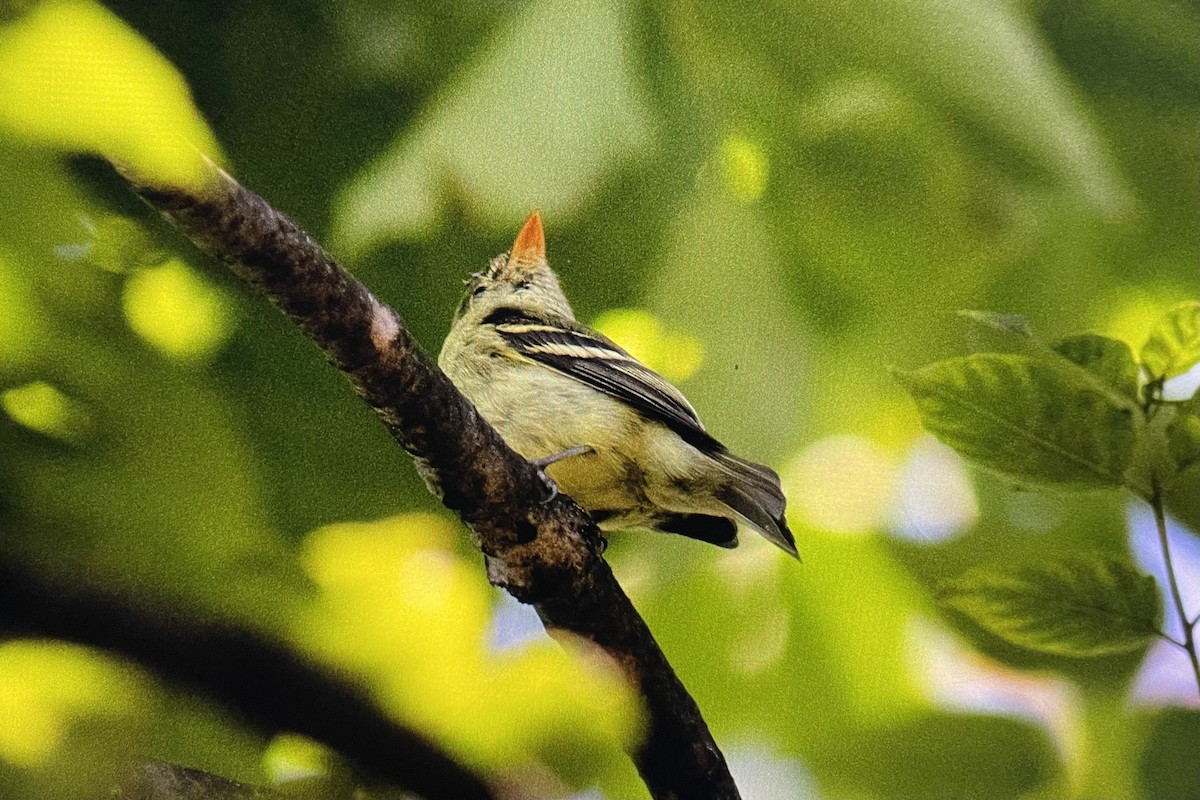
{"type": "Point", "coordinates": [401, 608]}
{"type": "Point", "coordinates": [1110, 360]}
{"type": "Point", "coordinates": [547, 111]}
{"type": "Point", "coordinates": [1075, 607]}
{"type": "Point", "coordinates": [744, 168]}
{"type": "Point", "coordinates": [74, 76]}
{"type": "Point", "coordinates": [1174, 344]}
{"type": "Point", "coordinates": [45, 687]}
{"type": "Point", "coordinates": [1025, 418]}
{"type": "Point", "coordinates": [1104, 363]}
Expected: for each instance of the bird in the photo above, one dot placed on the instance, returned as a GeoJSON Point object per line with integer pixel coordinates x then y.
{"type": "Point", "coordinates": [611, 433]}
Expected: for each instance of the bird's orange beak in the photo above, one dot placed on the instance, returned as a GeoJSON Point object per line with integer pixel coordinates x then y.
{"type": "Point", "coordinates": [531, 241]}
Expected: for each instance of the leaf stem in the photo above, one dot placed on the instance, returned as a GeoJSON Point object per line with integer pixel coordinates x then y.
{"type": "Point", "coordinates": [1189, 637]}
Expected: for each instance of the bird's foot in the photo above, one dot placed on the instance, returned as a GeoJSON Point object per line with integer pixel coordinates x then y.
{"type": "Point", "coordinates": [553, 458]}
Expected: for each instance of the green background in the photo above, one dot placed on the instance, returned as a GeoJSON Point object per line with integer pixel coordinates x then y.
{"type": "Point", "coordinates": [808, 190]}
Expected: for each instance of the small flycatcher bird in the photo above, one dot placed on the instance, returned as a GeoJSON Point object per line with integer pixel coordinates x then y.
{"type": "Point", "coordinates": [610, 432]}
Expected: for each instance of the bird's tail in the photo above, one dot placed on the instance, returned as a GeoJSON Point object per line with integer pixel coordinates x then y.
{"type": "Point", "coordinates": [754, 494]}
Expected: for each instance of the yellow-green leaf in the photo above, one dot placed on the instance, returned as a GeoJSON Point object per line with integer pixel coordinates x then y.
{"type": "Point", "coordinates": [74, 76]}
{"type": "Point", "coordinates": [549, 109]}
{"type": "Point", "coordinates": [1174, 344]}
{"type": "Point", "coordinates": [1183, 432]}
{"type": "Point", "coordinates": [1086, 606]}
{"type": "Point", "coordinates": [1110, 360]}
{"type": "Point", "coordinates": [1030, 419]}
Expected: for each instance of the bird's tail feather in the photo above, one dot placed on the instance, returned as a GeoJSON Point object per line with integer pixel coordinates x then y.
{"type": "Point", "coordinates": [754, 494]}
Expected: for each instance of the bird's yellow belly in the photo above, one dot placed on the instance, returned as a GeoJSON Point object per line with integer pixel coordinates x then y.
{"type": "Point", "coordinates": [552, 415]}
{"type": "Point", "coordinates": [600, 481]}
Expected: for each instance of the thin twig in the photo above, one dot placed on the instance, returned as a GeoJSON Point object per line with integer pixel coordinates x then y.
{"type": "Point", "coordinates": [1189, 637]}
{"type": "Point", "coordinates": [1166, 637]}
{"type": "Point", "coordinates": [546, 553]}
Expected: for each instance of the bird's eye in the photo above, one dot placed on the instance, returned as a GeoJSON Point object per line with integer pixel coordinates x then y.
{"type": "Point", "coordinates": [478, 290]}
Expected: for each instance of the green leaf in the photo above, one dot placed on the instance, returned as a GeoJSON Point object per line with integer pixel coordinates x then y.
{"type": "Point", "coordinates": [75, 76]}
{"type": "Point", "coordinates": [1080, 607]}
{"type": "Point", "coordinates": [1110, 360]}
{"type": "Point", "coordinates": [1029, 419]}
{"type": "Point", "coordinates": [1168, 766]}
{"type": "Point", "coordinates": [1005, 323]}
{"type": "Point", "coordinates": [1181, 491]}
{"type": "Point", "coordinates": [1183, 432]}
{"type": "Point", "coordinates": [1105, 364]}
{"type": "Point", "coordinates": [987, 61]}
{"type": "Point", "coordinates": [1182, 498]}
{"type": "Point", "coordinates": [522, 126]}
{"type": "Point", "coordinates": [1174, 344]}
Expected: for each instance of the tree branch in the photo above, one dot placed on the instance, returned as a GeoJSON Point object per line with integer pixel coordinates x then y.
{"type": "Point", "coordinates": [269, 684]}
{"type": "Point", "coordinates": [160, 781]}
{"type": "Point", "coordinates": [543, 552]}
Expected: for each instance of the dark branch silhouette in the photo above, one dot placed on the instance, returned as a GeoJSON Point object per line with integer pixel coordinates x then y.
{"type": "Point", "coordinates": [545, 552]}
{"type": "Point", "coordinates": [268, 684]}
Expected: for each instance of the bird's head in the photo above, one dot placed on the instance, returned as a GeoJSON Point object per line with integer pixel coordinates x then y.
{"type": "Point", "coordinates": [520, 279]}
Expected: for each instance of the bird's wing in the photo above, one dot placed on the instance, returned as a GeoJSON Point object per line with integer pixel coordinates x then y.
{"type": "Point", "coordinates": [591, 358]}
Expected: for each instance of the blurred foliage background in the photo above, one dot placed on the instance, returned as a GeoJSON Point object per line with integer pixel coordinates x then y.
{"type": "Point", "coordinates": [770, 202]}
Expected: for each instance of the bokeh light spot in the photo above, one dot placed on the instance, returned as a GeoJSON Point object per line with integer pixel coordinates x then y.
{"type": "Point", "coordinates": [1181, 387]}
{"type": "Point", "coordinates": [935, 500]}
{"type": "Point", "coordinates": [46, 686]}
{"type": "Point", "coordinates": [762, 775]}
{"type": "Point", "coordinates": [957, 678]}
{"type": "Point", "coordinates": [676, 356]}
{"type": "Point", "coordinates": [290, 757]}
{"type": "Point", "coordinates": [762, 645]}
{"type": "Point", "coordinates": [41, 407]}
{"type": "Point", "coordinates": [843, 484]}
{"type": "Point", "coordinates": [177, 311]}
{"type": "Point", "coordinates": [744, 168]}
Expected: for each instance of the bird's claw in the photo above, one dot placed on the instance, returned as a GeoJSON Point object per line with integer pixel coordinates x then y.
{"type": "Point", "coordinates": [545, 461]}
{"type": "Point", "coordinates": [548, 484]}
